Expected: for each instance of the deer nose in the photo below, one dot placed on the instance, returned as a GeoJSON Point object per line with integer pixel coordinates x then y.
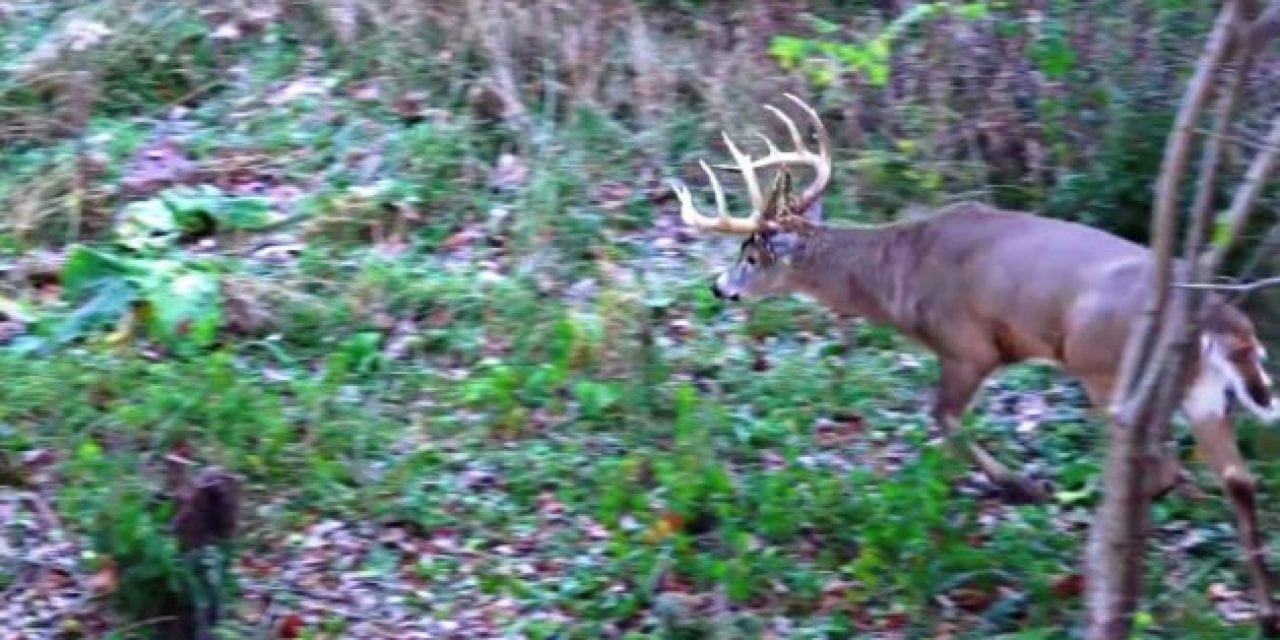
{"type": "Point", "coordinates": [715, 291]}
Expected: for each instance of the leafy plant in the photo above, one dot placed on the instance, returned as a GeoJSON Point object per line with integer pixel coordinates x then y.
{"type": "Point", "coordinates": [145, 282]}
{"type": "Point", "coordinates": [871, 58]}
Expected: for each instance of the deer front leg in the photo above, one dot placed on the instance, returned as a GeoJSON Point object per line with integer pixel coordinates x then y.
{"type": "Point", "coordinates": [1216, 439]}
{"type": "Point", "coordinates": [956, 387]}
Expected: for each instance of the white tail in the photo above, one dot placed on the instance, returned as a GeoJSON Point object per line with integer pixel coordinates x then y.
{"type": "Point", "coordinates": [983, 288]}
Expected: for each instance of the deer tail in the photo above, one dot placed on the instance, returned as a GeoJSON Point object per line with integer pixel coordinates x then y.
{"type": "Point", "coordinates": [1243, 373]}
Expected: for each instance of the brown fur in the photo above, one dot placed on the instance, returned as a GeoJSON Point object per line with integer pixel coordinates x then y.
{"type": "Point", "coordinates": [983, 288]}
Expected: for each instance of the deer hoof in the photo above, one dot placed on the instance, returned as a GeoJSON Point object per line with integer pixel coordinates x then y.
{"type": "Point", "coordinates": [1022, 490]}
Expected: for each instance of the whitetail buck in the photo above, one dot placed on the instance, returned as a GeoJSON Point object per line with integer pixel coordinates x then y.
{"type": "Point", "coordinates": [982, 288]}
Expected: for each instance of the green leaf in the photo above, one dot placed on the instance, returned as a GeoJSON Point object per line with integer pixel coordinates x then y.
{"type": "Point", "coordinates": [187, 200]}
{"type": "Point", "coordinates": [822, 25]}
{"type": "Point", "coordinates": [192, 204]}
{"type": "Point", "coordinates": [243, 213]}
{"type": "Point", "coordinates": [1052, 51]}
{"type": "Point", "coordinates": [1221, 231]}
{"type": "Point", "coordinates": [111, 300]}
{"type": "Point", "coordinates": [148, 224]}
{"type": "Point", "coordinates": [595, 397]}
{"type": "Point", "coordinates": [88, 451]}
{"type": "Point", "coordinates": [185, 306]}
{"type": "Point", "coordinates": [788, 50]}
{"type": "Point", "coordinates": [878, 75]}
{"type": "Point", "coordinates": [972, 10]}
{"type": "Point", "coordinates": [88, 268]}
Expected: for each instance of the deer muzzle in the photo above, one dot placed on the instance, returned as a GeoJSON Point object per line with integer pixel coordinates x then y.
{"type": "Point", "coordinates": [720, 293]}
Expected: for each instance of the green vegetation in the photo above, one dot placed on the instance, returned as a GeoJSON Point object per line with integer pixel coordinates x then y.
{"type": "Point", "coordinates": [415, 276]}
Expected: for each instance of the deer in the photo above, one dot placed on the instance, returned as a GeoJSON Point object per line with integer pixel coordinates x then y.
{"type": "Point", "coordinates": [982, 288]}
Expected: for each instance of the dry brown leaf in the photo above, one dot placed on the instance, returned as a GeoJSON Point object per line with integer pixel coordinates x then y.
{"type": "Point", "coordinates": [290, 626]}
{"type": "Point", "coordinates": [972, 600]}
{"type": "Point", "coordinates": [667, 524]}
{"type": "Point", "coordinates": [105, 581]}
{"type": "Point", "coordinates": [1068, 586]}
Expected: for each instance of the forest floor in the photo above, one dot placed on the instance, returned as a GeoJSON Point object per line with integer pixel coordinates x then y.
{"type": "Point", "coordinates": [473, 393]}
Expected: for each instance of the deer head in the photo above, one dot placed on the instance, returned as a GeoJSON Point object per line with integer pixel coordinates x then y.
{"type": "Point", "coordinates": [780, 226]}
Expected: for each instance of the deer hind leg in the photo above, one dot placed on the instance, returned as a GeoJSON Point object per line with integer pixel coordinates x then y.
{"type": "Point", "coordinates": [958, 383]}
{"type": "Point", "coordinates": [1169, 470]}
{"type": "Point", "coordinates": [1205, 406]}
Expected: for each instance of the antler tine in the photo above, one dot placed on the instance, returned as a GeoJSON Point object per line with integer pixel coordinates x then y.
{"type": "Point", "coordinates": [773, 149]}
{"type": "Point", "coordinates": [822, 162]}
{"type": "Point", "coordinates": [721, 222]}
{"type": "Point", "coordinates": [748, 174]}
{"type": "Point", "coordinates": [796, 138]}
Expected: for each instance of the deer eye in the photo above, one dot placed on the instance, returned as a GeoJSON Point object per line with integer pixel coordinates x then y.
{"type": "Point", "coordinates": [751, 260]}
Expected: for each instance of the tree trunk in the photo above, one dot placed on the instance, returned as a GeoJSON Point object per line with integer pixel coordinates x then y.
{"type": "Point", "coordinates": [1145, 391]}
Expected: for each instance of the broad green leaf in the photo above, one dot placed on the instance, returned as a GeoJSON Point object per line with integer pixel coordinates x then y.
{"type": "Point", "coordinates": [184, 303]}
{"type": "Point", "coordinates": [87, 268]}
{"type": "Point", "coordinates": [878, 49]}
{"type": "Point", "coordinates": [243, 213]}
{"type": "Point", "coordinates": [112, 298]}
{"type": "Point", "coordinates": [148, 224]}
{"type": "Point", "coordinates": [190, 204]}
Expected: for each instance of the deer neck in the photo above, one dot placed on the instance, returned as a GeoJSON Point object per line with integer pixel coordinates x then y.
{"type": "Point", "coordinates": [859, 271]}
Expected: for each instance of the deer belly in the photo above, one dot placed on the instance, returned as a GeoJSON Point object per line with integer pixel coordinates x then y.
{"type": "Point", "coordinates": [1014, 345]}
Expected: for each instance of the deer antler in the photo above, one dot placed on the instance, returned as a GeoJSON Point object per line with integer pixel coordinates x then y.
{"type": "Point", "coordinates": [722, 222]}
{"type": "Point", "coordinates": [820, 161]}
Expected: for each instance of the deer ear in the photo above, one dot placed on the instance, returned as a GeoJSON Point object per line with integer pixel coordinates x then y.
{"type": "Point", "coordinates": [785, 244]}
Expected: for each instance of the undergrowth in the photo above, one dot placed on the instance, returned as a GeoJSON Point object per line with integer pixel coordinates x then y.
{"type": "Point", "coordinates": [411, 267]}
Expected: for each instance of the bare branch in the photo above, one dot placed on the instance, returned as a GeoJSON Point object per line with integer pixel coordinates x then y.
{"type": "Point", "coordinates": [1178, 334]}
{"type": "Point", "coordinates": [1265, 27]}
{"type": "Point", "coordinates": [1246, 196]}
{"type": "Point", "coordinates": [1143, 398]}
{"type": "Point", "coordinates": [1172, 169]}
{"type": "Point", "coordinates": [1235, 287]}
{"type": "Point", "coordinates": [1250, 143]}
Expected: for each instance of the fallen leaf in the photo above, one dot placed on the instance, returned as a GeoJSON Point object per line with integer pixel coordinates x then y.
{"type": "Point", "coordinates": [1068, 586]}
{"type": "Point", "coordinates": [228, 31]}
{"type": "Point", "coordinates": [1219, 592]}
{"type": "Point", "coordinates": [290, 626]}
{"type": "Point", "coordinates": [105, 581]}
{"type": "Point", "coordinates": [509, 173]}
{"type": "Point", "coordinates": [667, 524]}
{"type": "Point", "coordinates": [971, 600]}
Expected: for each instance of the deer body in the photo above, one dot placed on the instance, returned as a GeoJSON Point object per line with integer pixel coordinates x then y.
{"type": "Point", "coordinates": [982, 288]}
{"type": "Point", "coordinates": [983, 285]}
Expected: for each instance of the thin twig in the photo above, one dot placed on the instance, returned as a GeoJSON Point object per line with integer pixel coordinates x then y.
{"type": "Point", "coordinates": [1247, 286]}
{"type": "Point", "coordinates": [1250, 143]}
{"type": "Point", "coordinates": [138, 624]}
{"type": "Point", "coordinates": [1245, 197]}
